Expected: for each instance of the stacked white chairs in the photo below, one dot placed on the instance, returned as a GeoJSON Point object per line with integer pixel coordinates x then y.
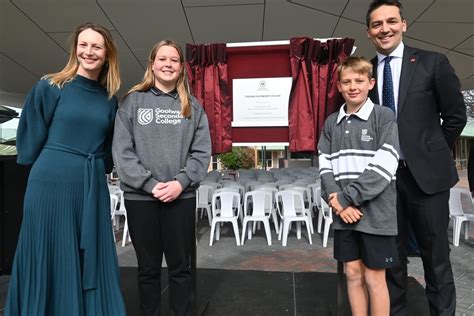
{"type": "Point", "coordinates": [203, 201]}
{"type": "Point", "coordinates": [226, 207]}
{"type": "Point", "coordinates": [259, 210]}
{"type": "Point", "coordinates": [327, 215]}
{"type": "Point", "coordinates": [286, 201]}
{"type": "Point", "coordinates": [457, 198]}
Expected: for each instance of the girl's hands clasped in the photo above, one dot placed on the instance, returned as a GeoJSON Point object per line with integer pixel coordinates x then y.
{"type": "Point", "coordinates": [167, 191]}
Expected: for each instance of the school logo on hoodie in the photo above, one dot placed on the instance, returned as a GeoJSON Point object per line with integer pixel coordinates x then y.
{"type": "Point", "coordinates": [145, 116]}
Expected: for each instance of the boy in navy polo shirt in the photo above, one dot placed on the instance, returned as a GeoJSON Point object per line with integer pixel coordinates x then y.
{"type": "Point", "coordinates": [358, 159]}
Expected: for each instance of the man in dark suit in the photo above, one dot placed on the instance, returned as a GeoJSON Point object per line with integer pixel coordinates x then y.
{"type": "Point", "coordinates": [422, 88]}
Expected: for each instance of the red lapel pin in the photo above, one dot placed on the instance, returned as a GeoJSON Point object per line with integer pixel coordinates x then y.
{"type": "Point", "coordinates": [413, 59]}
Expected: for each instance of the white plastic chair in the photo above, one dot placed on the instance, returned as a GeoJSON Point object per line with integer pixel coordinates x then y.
{"type": "Point", "coordinates": [307, 206]}
{"type": "Point", "coordinates": [250, 185]}
{"type": "Point", "coordinates": [215, 185]}
{"type": "Point", "coordinates": [114, 199]}
{"type": "Point", "coordinates": [225, 208]}
{"type": "Point", "coordinates": [286, 186]}
{"type": "Point", "coordinates": [288, 213]}
{"type": "Point", "coordinates": [456, 212]}
{"type": "Point", "coordinates": [260, 211]}
{"type": "Point", "coordinates": [203, 201]}
{"type": "Point", "coordinates": [327, 215]}
{"type": "Point", "coordinates": [316, 196]}
{"type": "Point", "coordinates": [270, 183]}
{"type": "Point", "coordinates": [274, 210]}
{"type": "Point", "coordinates": [115, 190]}
{"type": "Point", "coordinates": [123, 212]}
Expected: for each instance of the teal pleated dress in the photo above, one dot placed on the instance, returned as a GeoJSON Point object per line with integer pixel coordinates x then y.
{"type": "Point", "coordinates": [65, 261]}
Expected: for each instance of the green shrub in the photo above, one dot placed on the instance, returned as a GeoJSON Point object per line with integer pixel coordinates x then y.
{"type": "Point", "coordinates": [238, 158]}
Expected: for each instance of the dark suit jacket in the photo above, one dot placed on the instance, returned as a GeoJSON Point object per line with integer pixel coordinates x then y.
{"type": "Point", "coordinates": [429, 90]}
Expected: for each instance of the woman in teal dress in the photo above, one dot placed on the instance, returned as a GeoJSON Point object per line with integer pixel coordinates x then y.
{"type": "Point", "coordinates": [65, 262]}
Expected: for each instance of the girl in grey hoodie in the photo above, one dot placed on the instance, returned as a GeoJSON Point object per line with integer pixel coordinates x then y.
{"type": "Point", "coordinates": [161, 150]}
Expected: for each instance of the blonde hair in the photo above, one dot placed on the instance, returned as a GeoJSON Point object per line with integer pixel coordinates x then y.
{"type": "Point", "coordinates": [182, 86]}
{"type": "Point", "coordinates": [360, 65]}
{"type": "Point", "coordinates": [109, 76]}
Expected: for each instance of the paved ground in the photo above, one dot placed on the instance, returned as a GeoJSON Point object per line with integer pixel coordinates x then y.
{"type": "Point", "coordinates": [299, 255]}
{"type": "Point", "coordinates": [255, 254]}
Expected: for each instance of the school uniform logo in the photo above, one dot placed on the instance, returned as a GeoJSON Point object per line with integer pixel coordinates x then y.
{"type": "Point", "coordinates": [168, 116]}
{"type": "Point", "coordinates": [145, 116]}
{"type": "Point", "coordinates": [365, 137]}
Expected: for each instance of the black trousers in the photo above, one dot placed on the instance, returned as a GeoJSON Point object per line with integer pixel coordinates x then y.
{"type": "Point", "coordinates": [158, 228]}
{"type": "Point", "coordinates": [429, 219]}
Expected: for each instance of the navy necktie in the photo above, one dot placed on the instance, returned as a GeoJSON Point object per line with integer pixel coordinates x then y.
{"type": "Point", "coordinates": [388, 98]}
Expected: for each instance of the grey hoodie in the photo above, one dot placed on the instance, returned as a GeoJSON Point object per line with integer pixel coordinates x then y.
{"type": "Point", "coordinates": [153, 143]}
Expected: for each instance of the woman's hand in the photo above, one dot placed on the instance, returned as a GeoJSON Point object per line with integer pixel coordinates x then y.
{"type": "Point", "coordinates": [167, 191]}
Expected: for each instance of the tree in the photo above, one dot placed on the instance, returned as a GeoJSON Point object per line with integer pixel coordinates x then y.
{"type": "Point", "coordinates": [238, 158]}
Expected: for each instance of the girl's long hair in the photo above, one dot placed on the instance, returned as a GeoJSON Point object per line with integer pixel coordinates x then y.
{"type": "Point", "coordinates": [182, 85]}
{"type": "Point", "coordinates": [109, 76]}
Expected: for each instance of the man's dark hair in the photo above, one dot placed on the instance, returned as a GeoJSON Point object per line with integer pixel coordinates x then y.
{"type": "Point", "coordinates": [378, 3]}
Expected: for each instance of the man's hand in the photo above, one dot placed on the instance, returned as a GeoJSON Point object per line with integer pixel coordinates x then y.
{"type": "Point", "coordinates": [167, 191]}
{"type": "Point", "coordinates": [350, 215]}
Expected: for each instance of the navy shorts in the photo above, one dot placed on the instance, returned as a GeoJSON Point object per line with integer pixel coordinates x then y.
{"type": "Point", "coordinates": [375, 251]}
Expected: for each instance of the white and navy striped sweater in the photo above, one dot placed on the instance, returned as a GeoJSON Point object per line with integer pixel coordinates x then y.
{"type": "Point", "coordinates": [358, 159]}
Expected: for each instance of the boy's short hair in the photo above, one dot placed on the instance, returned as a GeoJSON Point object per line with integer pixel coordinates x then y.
{"type": "Point", "coordinates": [360, 65]}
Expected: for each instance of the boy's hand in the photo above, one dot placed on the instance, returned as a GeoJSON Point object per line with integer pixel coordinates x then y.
{"type": "Point", "coordinates": [350, 215]}
{"type": "Point", "coordinates": [334, 203]}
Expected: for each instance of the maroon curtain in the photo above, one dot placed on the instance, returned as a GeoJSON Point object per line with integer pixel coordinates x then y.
{"type": "Point", "coordinates": [314, 93]}
{"type": "Point", "coordinates": [207, 72]}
